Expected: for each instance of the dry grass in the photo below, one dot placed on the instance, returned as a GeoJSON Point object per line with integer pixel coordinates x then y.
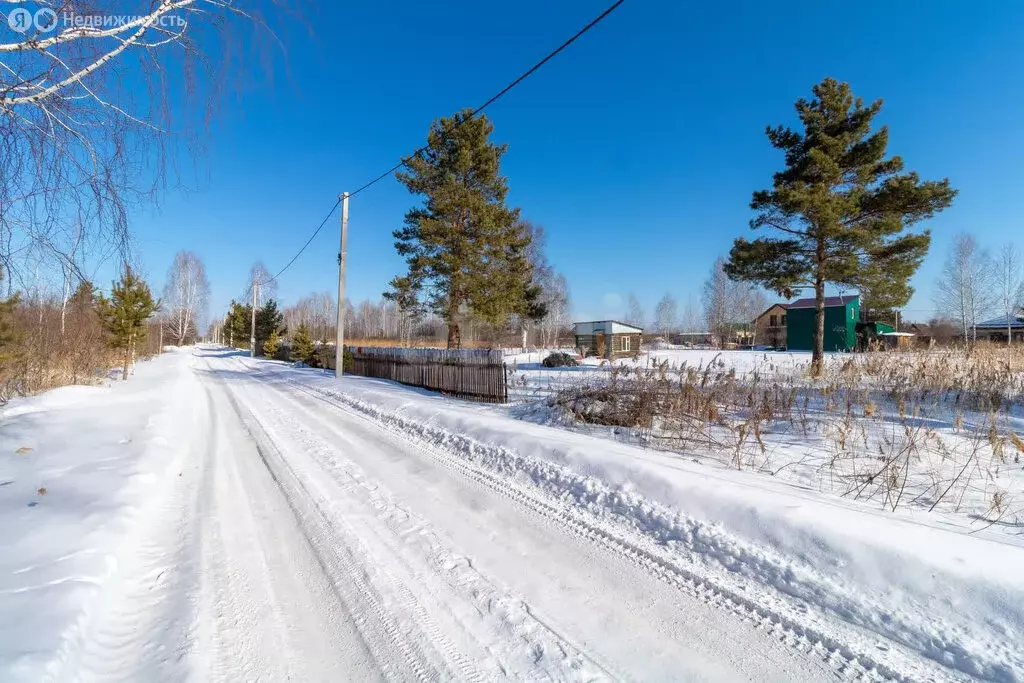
{"type": "Point", "coordinates": [931, 430]}
{"type": "Point", "coordinates": [46, 355]}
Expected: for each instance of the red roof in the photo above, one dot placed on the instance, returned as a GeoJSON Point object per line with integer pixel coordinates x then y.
{"type": "Point", "coordinates": [830, 302]}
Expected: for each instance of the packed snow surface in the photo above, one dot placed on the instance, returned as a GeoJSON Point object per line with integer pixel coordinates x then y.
{"type": "Point", "coordinates": [221, 518]}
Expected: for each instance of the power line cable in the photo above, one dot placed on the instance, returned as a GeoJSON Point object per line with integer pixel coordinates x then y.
{"type": "Point", "coordinates": [311, 238]}
{"type": "Point", "coordinates": [594, 22]}
{"type": "Point", "coordinates": [498, 96]}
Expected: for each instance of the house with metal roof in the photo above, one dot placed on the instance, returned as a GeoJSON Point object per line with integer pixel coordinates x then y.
{"type": "Point", "coordinates": [1002, 328]}
{"type": "Point", "coordinates": [841, 316]}
{"type": "Point", "coordinates": [607, 338]}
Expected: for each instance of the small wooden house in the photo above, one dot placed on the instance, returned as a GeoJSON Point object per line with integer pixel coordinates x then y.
{"type": "Point", "coordinates": [607, 338]}
{"type": "Point", "coordinates": [770, 326]}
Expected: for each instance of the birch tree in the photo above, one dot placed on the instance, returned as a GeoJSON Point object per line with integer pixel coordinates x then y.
{"type": "Point", "coordinates": [1010, 286]}
{"type": "Point", "coordinates": [964, 289]}
{"type": "Point", "coordinates": [728, 303]}
{"type": "Point", "coordinates": [186, 294]}
{"type": "Point", "coordinates": [717, 299]}
{"type": "Point", "coordinates": [92, 93]}
{"type": "Point", "coordinates": [634, 311]}
{"type": "Point", "coordinates": [691, 319]}
{"type": "Point", "coordinates": [267, 288]}
{"type": "Point", "coordinates": [558, 301]}
{"type": "Point", "coordinates": [665, 314]}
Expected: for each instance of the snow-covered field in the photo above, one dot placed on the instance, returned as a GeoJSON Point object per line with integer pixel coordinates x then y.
{"type": "Point", "coordinates": [934, 431]}
{"type": "Point", "coordinates": [224, 518]}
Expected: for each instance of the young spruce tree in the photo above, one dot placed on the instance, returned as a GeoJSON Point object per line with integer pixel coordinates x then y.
{"type": "Point", "coordinates": [466, 250]}
{"type": "Point", "coordinates": [125, 313]}
{"type": "Point", "coordinates": [269, 321]}
{"type": "Point", "coordinates": [237, 327]}
{"type": "Point", "coordinates": [272, 345]}
{"type": "Point", "coordinates": [841, 209]}
{"type": "Point", "coordinates": [302, 345]}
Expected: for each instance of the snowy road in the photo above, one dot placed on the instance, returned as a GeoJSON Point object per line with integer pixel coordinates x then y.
{"type": "Point", "coordinates": [289, 530]}
{"type": "Point", "coordinates": [396, 564]}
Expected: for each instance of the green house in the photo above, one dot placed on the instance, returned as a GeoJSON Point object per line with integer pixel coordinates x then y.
{"type": "Point", "coordinates": [841, 316]}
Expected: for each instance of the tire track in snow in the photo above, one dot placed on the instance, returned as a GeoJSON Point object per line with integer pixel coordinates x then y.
{"type": "Point", "coordinates": [247, 602]}
{"type": "Point", "coordinates": [349, 485]}
{"type": "Point", "coordinates": [456, 573]}
{"type": "Point", "coordinates": [840, 646]}
{"type": "Point", "coordinates": [350, 578]}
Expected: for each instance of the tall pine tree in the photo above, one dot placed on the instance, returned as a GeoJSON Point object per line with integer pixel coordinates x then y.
{"type": "Point", "coordinates": [125, 313]}
{"type": "Point", "coordinates": [465, 249]}
{"type": "Point", "coordinates": [841, 208]}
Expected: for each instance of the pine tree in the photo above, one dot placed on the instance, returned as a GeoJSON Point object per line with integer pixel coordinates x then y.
{"type": "Point", "coordinates": [84, 297]}
{"type": "Point", "coordinates": [238, 325]}
{"type": "Point", "coordinates": [272, 345]}
{"type": "Point", "coordinates": [125, 313]}
{"type": "Point", "coordinates": [302, 345]}
{"type": "Point", "coordinates": [842, 209]}
{"type": "Point", "coordinates": [465, 250]}
{"type": "Point", "coordinates": [269, 320]}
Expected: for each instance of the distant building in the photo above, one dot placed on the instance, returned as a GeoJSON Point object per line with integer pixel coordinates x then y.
{"type": "Point", "coordinates": [897, 340]}
{"type": "Point", "coordinates": [692, 338]}
{"type": "Point", "coordinates": [737, 335]}
{"type": "Point", "coordinates": [841, 316]}
{"type": "Point", "coordinates": [869, 335]}
{"type": "Point", "coordinates": [996, 329]}
{"type": "Point", "coordinates": [770, 326]}
{"type": "Point", "coordinates": [937, 331]}
{"type": "Point", "coordinates": [607, 338]}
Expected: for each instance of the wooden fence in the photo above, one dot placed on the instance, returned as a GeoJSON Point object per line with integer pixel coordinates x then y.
{"type": "Point", "coordinates": [476, 374]}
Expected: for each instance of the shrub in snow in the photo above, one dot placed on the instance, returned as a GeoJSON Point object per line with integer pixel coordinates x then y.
{"type": "Point", "coordinates": [272, 345]}
{"type": "Point", "coordinates": [559, 360]}
{"type": "Point", "coordinates": [610, 406]}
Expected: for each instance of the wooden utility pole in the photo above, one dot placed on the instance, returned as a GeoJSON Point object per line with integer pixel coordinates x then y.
{"type": "Point", "coordinates": [252, 330]}
{"type": "Point", "coordinates": [339, 348]}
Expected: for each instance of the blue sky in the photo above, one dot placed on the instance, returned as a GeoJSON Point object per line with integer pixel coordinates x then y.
{"type": "Point", "coordinates": [637, 149]}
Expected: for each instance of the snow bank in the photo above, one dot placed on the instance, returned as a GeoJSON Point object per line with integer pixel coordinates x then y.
{"type": "Point", "coordinates": [78, 465]}
{"type": "Point", "coordinates": [836, 570]}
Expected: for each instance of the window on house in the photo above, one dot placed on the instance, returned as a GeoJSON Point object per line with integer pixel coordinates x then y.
{"type": "Point", "coordinates": [626, 343]}
{"type": "Point", "coordinates": [772, 321]}
{"type": "Point", "coordinates": [783, 318]}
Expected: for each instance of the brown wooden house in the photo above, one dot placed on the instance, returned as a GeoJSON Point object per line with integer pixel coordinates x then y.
{"type": "Point", "coordinates": [770, 326]}
{"type": "Point", "coordinates": [607, 338]}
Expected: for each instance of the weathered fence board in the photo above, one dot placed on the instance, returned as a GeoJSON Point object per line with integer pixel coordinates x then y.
{"type": "Point", "coordinates": [477, 374]}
